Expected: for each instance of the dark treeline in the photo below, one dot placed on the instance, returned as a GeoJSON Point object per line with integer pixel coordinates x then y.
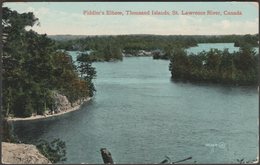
{"type": "Point", "coordinates": [33, 69]}
{"type": "Point", "coordinates": [216, 66]}
{"type": "Point", "coordinates": [107, 48]}
{"type": "Point", "coordinates": [126, 42]}
{"type": "Point", "coordinates": [238, 40]}
{"type": "Point", "coordinates": [148, 42]}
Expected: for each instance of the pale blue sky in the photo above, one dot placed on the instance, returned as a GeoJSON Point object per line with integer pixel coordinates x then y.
{"type": "Point", "coordinates": [68, 18]}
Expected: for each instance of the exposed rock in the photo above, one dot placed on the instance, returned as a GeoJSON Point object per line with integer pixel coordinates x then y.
{"type": "Point", "coordinates": [61, 102]}
{"type": "Point", "coordinates": [22, 154]}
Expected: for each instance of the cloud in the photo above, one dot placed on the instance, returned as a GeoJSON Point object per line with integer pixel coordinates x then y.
{"type": "Point", "coordinates": [225, 24]}
{"type": "Point", "coordinates": [237, 27]}
{"type": "Point", "coordinates": [61, 22]}
{"type": "Point", "coordinates": [194, 25]}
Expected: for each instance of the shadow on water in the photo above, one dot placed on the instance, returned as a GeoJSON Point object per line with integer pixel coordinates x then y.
{"type": "Point", "coordinates": [25, 129]}
{"type": "Point", "coordinates": [224, 88]}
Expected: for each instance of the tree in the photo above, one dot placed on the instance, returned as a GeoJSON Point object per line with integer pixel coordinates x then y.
{"type": "Point", "coordinates": [245, 59]}
{"type": "Point", "coordinates": [33, 68]}
{"type": "Point", "coordinates": [55, 150]}
{"type": "Point", "coordinates": [216, 66]}
{"type": "Point", "coordinates": [179, 64]}
{"type": "Point", "coordinates": [87, 73]}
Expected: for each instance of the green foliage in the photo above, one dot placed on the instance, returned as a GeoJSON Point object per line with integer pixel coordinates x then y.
{"type": "Point", "coordinates": [28, 108]}
{"type": "Point", "coordinates": [132, 43]}
{"type": "Point", "coordinates": [87, 72]}
{"type": "Point", "coordinates": [22, 106]}
{"type": "Point", "coordinates": [55, 150]}
{"type": "Point", "coordinates": [216, 66]}
{"type": "Point", "coordinates": [180, 64]}
{"type": "Point", "coordinates": [109, 48]}
{"type": "Point", "coordinates": [32, 69]}
{"type": "Point", "coordinates": [72, 86]}
{"type": "Point", "coordinates": [251, 40]}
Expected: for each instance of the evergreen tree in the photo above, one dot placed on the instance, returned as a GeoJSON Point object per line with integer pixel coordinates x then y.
{"type": "Point", "coordinates": [87, 73]}
{"type": "Point", "coordinates": [32, 69]}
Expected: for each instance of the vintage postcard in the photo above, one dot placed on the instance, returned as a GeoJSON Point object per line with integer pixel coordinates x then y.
{"type": "Point", "coordinates": [130, 82]}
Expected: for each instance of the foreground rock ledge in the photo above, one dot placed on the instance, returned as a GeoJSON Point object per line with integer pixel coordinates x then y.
{"type": "Point", "coordinates": [22, 154]}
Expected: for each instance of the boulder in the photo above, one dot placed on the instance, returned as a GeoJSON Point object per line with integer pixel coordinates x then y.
{"type": "Point", "coordinates": [22, 154]}
{"type": "Point", "coordinates": [61, 103]}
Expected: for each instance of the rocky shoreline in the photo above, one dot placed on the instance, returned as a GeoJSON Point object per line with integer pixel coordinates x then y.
{"type": "Point", "coordinates": [16, 153]}
{"type": "Point", "coordinates": [13, 153]}
{"type": "Point", "coordinates": [63, 106]}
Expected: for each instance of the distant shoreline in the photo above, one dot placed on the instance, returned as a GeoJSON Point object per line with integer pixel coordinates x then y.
{"type": "Point", "coordinates": [38, 117]}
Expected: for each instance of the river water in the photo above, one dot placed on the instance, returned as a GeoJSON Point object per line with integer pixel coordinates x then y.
{"type": "Point", "coordinates": [141, 116]}
{"type": "Point", "coordinates": [207, 47]}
